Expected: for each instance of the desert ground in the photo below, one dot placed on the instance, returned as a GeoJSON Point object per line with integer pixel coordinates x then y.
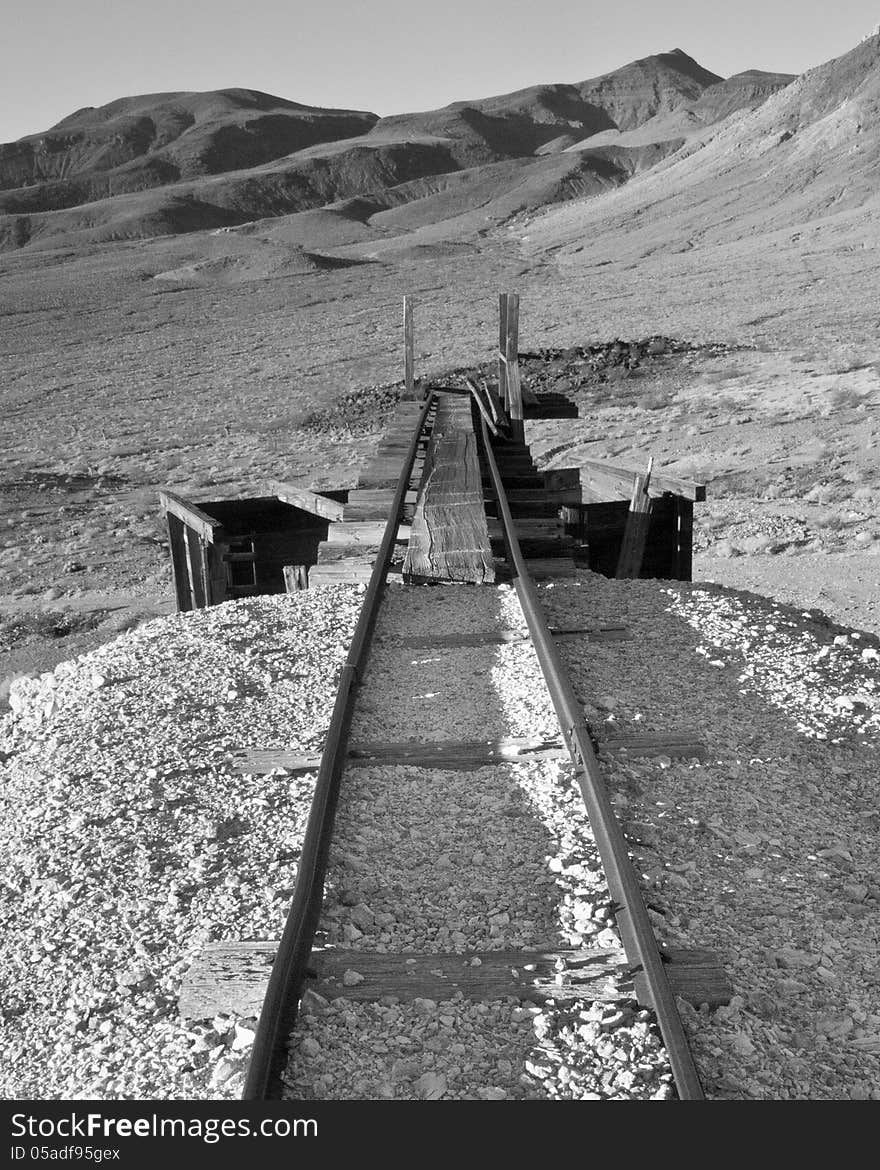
{"type": "Point", "coordinates": [116, 386]}
{"type": "Point", "coordinates": [146, 347]}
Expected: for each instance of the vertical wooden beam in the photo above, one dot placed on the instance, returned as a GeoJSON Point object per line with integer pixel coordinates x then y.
{"type": "Point", "coordinates": [685, 566]}
{"type": "Point", "coordinates": [502, 351]}
{"type": "Point", "coordinates": [217, 573]}
{"type": "Point", "coordinates": [511, 350]}
{"type": "Point", "coordinates": [177, 541]}
{"type": "Point", "coordinates": [408, 347]}
{"type": "Point", "coordinates": [296, 578]}
{"type": "Point", "coordinates": [197, 568]}
{"type": "Point", "coordinates": [638, 520]}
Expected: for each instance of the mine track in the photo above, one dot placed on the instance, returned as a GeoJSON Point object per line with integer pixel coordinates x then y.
{"type": "Point", "coordinates": [294, 963]}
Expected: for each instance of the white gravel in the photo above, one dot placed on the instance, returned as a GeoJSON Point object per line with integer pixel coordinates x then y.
{"type": "Point", "coordinates": [767, 850]}
{"type": "Point", "coordinates": [129, 842]}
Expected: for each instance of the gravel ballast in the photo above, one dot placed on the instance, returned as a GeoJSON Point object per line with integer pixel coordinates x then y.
{"type": "Point", "coordinates": [130, 841]}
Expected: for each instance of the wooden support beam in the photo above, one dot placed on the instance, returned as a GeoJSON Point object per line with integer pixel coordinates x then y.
{"type": "Point", "coordinates": [503, 392]}
{"type": "Point", "coordinates": [408, 347]}
{"type": "Point", "coordinates": [632, 549]}
{"type": "Point", "coordinates": [685, 544]}
{"type": "Point", "coordinates": [308, 501]}
{"type": "Point", "coordinates": [192, 516]}
{"type": "Point", "coordinates": [610, 481]}
{"type": "Point", "coordinates": [179, 571]}
{"type": "Point", "coordinates": [230, 977]}
{"type": "Point", "coordinates": [511, 364]}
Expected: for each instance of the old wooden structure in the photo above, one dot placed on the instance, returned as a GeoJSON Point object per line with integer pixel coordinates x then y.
{"type": "Point", "coordinates": [226, 549]}
{"type": "Point", "coordinates": [608, 517]}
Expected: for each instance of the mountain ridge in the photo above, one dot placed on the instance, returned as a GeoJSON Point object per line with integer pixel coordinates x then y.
{"type": "Point", "coordinates": [180, 161]}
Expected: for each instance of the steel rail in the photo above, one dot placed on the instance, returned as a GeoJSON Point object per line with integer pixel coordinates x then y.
{"type": "Point", "coordinates": [631, 914]}
{"type": "Point", "coordinates": [278, 1015]}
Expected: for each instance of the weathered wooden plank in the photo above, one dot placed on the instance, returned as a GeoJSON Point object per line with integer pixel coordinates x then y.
{"type": "Point", "coordinates": [372, 503]}
{"type": "Point", "coordinates": [682, 743]}
{"type": "Point", "coordinates": [177, 542]}
{"type": "Point", "coordinates": [632, 549]}
{"type": "Point", "coordinates": [231, 977]}
{"type": "Point", "coordinates": [452, 755]}
{"type": "Point", "coordinates": [503, 392]}
{"type": "Point", "coordinates": [511, 363]}
{"type": "Point", "coordinates": [540, 569]}
{"type": "Point", "coordinates": [296, 578]}
{"type": "Point", "coordinates": [449, 540]}
{"type": "Point", "coordinates": [367, 532]}
{"type": "Point", "coordinates": [299, 497]}
{"type": "Point", "coordinates": [503, 637]}
{"type": "Point", "coordinates": [602, 472]}
{"type": "Point", "coordinates": [207, 527]}
{"type": "Point", "coordinates": [197, 567]}
{"type": "Point", "coordinates": [408, 347]}
{"type": "Point", "coordinates": [529, 528]}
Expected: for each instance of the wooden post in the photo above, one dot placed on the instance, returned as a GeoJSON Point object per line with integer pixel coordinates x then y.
{"type": "Point", "coordinates": [177, 542]}
{"type": "Point", "coordinates": [514, 389]}
{"type": "Point", "coordinates": [408, 347]}
{"type": "Point", "coordinates": [684, 565]}
{"type": "Point", "coordinates": [296, 578]}
{"type": "Point", "coordinates": [638, 519]}
{"type": "Point", "coordinates": [502, 351]}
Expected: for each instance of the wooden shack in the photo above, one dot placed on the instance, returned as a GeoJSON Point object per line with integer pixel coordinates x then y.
{"type": "Point", "coordinates": [598, 523]}
{"type": "Point", "coordinates": [226, 549]}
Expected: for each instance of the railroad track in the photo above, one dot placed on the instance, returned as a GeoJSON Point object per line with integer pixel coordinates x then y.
{"type": "Point", "coordinates": [426, 924]}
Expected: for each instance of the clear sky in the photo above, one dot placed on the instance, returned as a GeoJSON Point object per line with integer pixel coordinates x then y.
{"type": "Point", "coordinates": [388, 56]}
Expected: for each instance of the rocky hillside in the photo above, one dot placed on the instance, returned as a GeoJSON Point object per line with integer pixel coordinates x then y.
{"type": "Point", "coordinates": [156, 139]}
{"type": "Point", "coordinates": [806, 152]}
{"type": "Point", "coordinates": [173, 163]}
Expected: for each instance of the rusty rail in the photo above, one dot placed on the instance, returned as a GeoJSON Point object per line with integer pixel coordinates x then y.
{"type": "Point", "coordinates": [631, 914]}
{"type": "Point", "coordinates": [281, 1002]}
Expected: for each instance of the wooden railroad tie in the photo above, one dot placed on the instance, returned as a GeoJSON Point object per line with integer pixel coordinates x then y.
{"type": "Point", "coordinates": [466, 755]}
{"type": "Point", "coordinates": [232, 976]}
{"type": "Point", "coordinates": [504, 637]}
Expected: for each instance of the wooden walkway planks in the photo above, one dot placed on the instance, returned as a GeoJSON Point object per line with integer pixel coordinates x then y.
{"type": "Point", "coordinates": [348, 554]}
{"type": "Point", "coordinates": [449, 540]}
